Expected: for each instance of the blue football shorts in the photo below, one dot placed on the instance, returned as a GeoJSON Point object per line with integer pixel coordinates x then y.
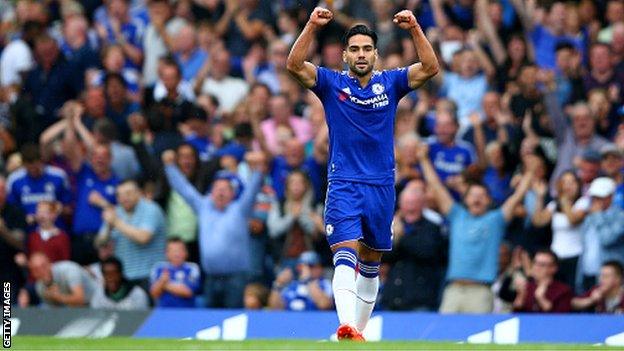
{"type": "Point", "coordinates": [359, 211]}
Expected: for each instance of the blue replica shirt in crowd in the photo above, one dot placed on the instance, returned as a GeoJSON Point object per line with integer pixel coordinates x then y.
{"type": "Point", "coordinates": [361, 123]}
{"type": "Point", "coordinates": [88, 218]}
{"type": "Point", "coordinates": [474, 242]}
{"type": "Point", "coordinates": [450, 160]}
{"type": "Point", "coordinates": [296, 295]}
{"type": "Point", "coordinates": [25, 191]}
{"type": "Point", "coordinates": [186, 274]}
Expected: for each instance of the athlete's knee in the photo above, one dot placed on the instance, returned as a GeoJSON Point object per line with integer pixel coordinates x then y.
{"type": "Point", "coordinates": [368, 255]}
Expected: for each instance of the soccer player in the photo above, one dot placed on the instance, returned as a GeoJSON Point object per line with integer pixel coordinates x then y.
{"type": "Point", "coordinates": [360, 105]}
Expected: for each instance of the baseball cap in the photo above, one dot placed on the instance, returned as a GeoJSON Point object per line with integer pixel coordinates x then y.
{"type": "Point", "coordinates": [611, 149]}
{"type": "Point", "coordinates": [601, 187]}
{"type": "Point", "coordinates": [310, 258]}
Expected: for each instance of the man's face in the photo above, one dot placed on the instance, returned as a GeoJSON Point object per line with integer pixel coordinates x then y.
{"type": "Point", "coordinates": [491, 104]}
{"type": "Point", "coordinates": [609, 278]}
{"type": "Point", "coordinates": [186, 160]}
{"type": "Point", "coordinates": [112, 277]}
{"type": "Point", "coordinates": [294, 153]}
{"type": "Point", "coordinates": [279, 108]}
{"type": "Point", "coordinates": [583, 123]}
{"type": "Point", "coordinates": [600, 58]}
{"type": "Point", "coordinates": [612, 164]}
{"type": "Point", "coordinates": [477, 200]}
{"type": "Point", "coordinates": [360, 54]}
{"type": "Point", "coordinates": [170, 77]}
{"type": "Point", "coordinates": [40, 268]}
{"type": "Point", "coordinates": [128, 195]}
{"type": "Point", "coordinates": [412, 202]}
{"type": "Point", "coordinates": [34, 169]}
{"type": "Point", "coordinates": [101, 159]}
{"type": "Point", "coordinates": [47, 52]}
{"type": "Point", "coordinates": [222, 193]}
{"type": "Point", "coordinates": [544, 267]}
{"type": "Point", "coordinates": [445, 128]}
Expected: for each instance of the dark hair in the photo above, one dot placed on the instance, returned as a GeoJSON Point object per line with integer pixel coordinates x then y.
{"type": "Point", "coordinates": [616, 265]}
{"type": "Point", "coordinates": [114, 261]}
{"type": "Point", "coordinates": [548, 252]}
{"type": "Point", "coordinates": [359, 29]}
{"type": "Point", "coordinates": [169, 60]}
{"type": "Point", "coordinates": [564, 45]}
{"type": "Point", "coordinates": [106, 128]}
{"type": "Point", "coordinates": [31, 153]}
{"type": "Point", "coordinates": [115, 76]}
{"type": "Point", "coordinates": [475, 183]}
{"type": "Point", "coordinates": [175, 240]}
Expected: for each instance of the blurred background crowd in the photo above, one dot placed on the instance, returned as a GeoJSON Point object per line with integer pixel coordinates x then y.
{"type": "Point", "coordinates": [157, 153]}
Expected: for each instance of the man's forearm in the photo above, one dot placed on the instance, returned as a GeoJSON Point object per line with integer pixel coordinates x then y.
{"type": "Point", "coordinates": [299, 51]}
{"type": "Point", "coordinates": [424, 49]}
{"type": "Point", "coordinates": [140, 236]}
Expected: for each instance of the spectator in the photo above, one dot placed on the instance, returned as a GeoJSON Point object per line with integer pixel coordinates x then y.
{"type": "Point", "coordinates": [309, 291]}
{"type": "Point", "coordinates": [215, 79]}
{"type": "Point", "coordinates": [241, 23]}
{"type": "Point", "coordinates": [36, 182]}
{"type": "Point", "coordinates": [116, 26]}
{"type": "Point", "coordinates": [48, 238]}
{"type": "Point", "coordinates": [12, 237]}
{"type": "Point", "coordinates": [611, 166]}
{"type": "Point", "coordinates": [220, 214]}
{"type": "Point", "coordinates": [608, 295]}
{"type": "Point", "coordinates": [117, 293]}
{"type": "Point", "coordinates": [76, 47]}
{"type": "Point", "coordinates": [419, 256]}
{"type": "Point", "coordinates": [466, 86]}
{"type": "Point", "coordinates": [602, 73]}
{"type": "Point", "coordinates": [449, 155]}
{"type": "Point", "coordinates": [50, 83]}
{"type": "Point", "coordinates": [125, 164]}
{"type": "Point", "coordinates": [137, 227]}
{"type": "Point", "coordinates": [63, 283]}
{"type": "Point", "coordinates": [17, 56]}
{"type": "Point", "coordinates": [158, 39]}
{"type": "Point", "coordinates": [572, 139]}
{"type": "Point", "coordinates": [95, 189]}
{"type": "Point", "coordinates": [256, 296]}
{"type": "Point", "coordinates": [293, 222]}
{"type": "Point", "coordinates": [176, 282]}
{"type": "Point", "coordinates": [118, 105]}
{"type": "Point", "coordinates": [543, 293]}
{"type": "Point", "coordinates": [282, 125]}
{"type": "Point", "coordinates": [565, 213]}
{"type": "Point", "coordinates": [603, 231]}
{"type": "Point", "coordinates": [475, 235]}
{"type": "Point", "coordinates": [187, 53]}
{"type": "Point", "coordinates": [113, 61]}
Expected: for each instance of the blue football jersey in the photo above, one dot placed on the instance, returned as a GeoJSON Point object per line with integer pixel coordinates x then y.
{"type": "Point", "coordinates": [361, 123]}
{"type": "Point", "coordinates": [26, 192]}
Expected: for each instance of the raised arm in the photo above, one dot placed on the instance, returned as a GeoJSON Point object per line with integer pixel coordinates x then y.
{"type": "Point", "coordinates": [443, 197]}
{"type": "Point", "coordinates": [525, 182]}
{"type": "Point", "coordinates": [257, 162]}
{"type": "Point", "coordinates": [178, 181]}
{"type": "Point", "coordinates": [303, 71]}
{"type": "Point", "coordinates": [484, 23]}
{"type": "Point", "coordinates": [420, 72]}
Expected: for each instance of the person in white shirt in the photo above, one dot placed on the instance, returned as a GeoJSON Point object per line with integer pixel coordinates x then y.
{"type": "Point", "coordinates": [565, 214]}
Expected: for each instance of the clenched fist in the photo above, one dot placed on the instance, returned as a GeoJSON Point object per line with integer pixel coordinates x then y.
{"type": "Point", "coordinates": [320, 16]}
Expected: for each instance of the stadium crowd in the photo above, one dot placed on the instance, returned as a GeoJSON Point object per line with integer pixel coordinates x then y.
{"type": "Point", "coordinates": [158, 153]}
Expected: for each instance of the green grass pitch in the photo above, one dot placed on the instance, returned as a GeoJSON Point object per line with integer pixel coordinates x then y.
{"type": "Point", "coordinates": [50, 343]}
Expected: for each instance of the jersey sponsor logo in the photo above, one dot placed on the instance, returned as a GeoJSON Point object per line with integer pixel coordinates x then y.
{"type": "Point", "coordinates": [378, 88]}
{"type": "Point", "coordinates": [377, 101]}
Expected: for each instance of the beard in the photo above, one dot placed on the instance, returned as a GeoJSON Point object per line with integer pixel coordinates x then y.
{"type": "Point", "coordinates": [361, 72]}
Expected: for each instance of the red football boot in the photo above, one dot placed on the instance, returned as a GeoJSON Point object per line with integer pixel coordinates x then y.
{"type": "Point", "coordinates": [347, 332]}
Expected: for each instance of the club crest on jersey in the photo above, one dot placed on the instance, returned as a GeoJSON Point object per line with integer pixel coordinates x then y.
{"type": "Point", "coordinates": [378, 88]}
{"type": "Point", "coordinates": [329, 229]}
